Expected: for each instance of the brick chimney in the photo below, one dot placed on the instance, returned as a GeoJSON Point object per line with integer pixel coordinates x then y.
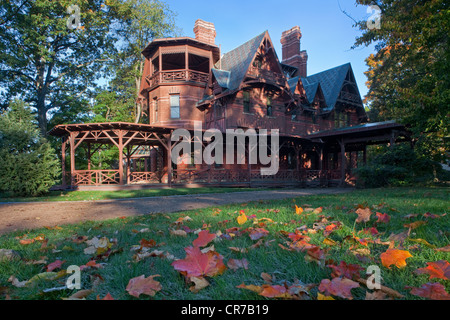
{"type": "Point", "coordinates": [205, 31]}
{"type": "Point", "coordinates": [290, 41]}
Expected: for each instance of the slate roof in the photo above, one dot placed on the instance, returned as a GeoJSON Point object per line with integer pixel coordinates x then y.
{"type": "Point", "coordinates": [236, 62]}
{"type": "Point", "coordinates": [331, 82]}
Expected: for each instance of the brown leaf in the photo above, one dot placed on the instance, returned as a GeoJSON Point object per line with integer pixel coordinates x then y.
{"type": "Point", "coordinates": [363, 215]}
{"type": "Point", "coordinates": [199, 284]}
{"type": "Point", "coordinates": [339, 287]}
{"type": "Point", "coordinates": [235, 264]}
{"type": "Point", "coordinates": [141, 285]}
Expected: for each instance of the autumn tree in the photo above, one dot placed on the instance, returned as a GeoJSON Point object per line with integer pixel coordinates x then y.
{"type": "Point", "coordinates": [408, 76]}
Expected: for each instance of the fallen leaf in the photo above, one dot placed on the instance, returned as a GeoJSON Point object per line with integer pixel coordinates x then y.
{"type": "Point", "coordinates": [147, 243]}
{"type": "Point", "coordinates": [394, 257]}
{"type": "Point", "coordinates": [181, 233]}
{"type": "Point", "coordinates": [204, 237]}
{"type": "Point", "coordinates": [55, 265]}
{"type": "Point", "coordinates": [242, 218]}
{"type": "Point", "coordinates": [258, 233]}
{"type": "Point", "coordinates": [199, 284]}
{"type": "Point", "coordinates": [363, 215]}
{"type": "Point", "coordinates": [298, 210]}
{"type": "Point", "coordinates": [323, 297]}
{"type": "Point", "coordinates": [414, 225]}
{"type": "Point", "coordinates": [107, 297]}
{"type": "Point", "coordinates": [383, 217]}
{"type": "Point", "coordinates": [141, 285]}
{"type": "Point", "coordinates": [235, 264]}
{"type": "Point", "coordinates": [340, 287]}
{"type": "Point", "coordinates": [439, 269]}
{"type": "Point", "coordinates": [198, 264]}
{"type": "Point", "coordinates": [349, 271]}
{"type": "Point", "coordinates": [433, 291]}
{"type": "Point", "coordinates": [424, 242]}
{"type": "Point", "coordinates": [16, 283]}
{"type": "Point", "coordinates": [79, 295]}
{"type": "Point", "coordinates": [266, 277]}
{"type": "Point", "coordinates": [443, 249]}
{"type": "Point", "coordinates": [376, 295]}
{"type": "Point", "coordinates": [274, 291]}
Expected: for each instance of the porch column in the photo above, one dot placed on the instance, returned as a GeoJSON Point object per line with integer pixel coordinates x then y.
{"type": "Point", "coordinates": [128, 164]}
{"type": "Point", "coordinates": [365, 155]}
{"type": "Point", "coordinates": [120, 146]}
{"type": "Point", "coordinates": [169, 160]}
{"type": "Point", "coordinates": [63, 162]}
{"type": "Point", "coordinates": [89, 155]}
{"type": "Point", "coordinates": [343, 162]}
{"type": "Point", "coordinates": [72, 158]}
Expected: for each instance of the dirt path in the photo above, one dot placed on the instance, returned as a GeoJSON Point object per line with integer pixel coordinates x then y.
{"type": "Point", "coordinates": [31, 215]}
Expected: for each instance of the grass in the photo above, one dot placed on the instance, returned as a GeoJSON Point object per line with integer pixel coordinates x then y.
{"type": "Point", "coordinates": [284, 266]}
{"type": "Point", "coordinates": [119, 194]}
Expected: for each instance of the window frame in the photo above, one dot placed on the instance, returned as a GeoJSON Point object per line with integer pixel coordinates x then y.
{"type": "Point", "coordinates": [174, 107]}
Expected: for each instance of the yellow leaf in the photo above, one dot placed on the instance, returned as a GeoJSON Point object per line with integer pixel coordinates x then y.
{"type": "Point", "coordinates": [242, 218]}
{"type": "Point", "coordinates": [329, 242]}
{"type": "Point", "coordinates": [324, 297]}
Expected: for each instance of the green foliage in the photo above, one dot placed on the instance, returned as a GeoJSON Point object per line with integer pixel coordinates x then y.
{"type": "Point", "coordinates": [28, 164]}
{"type": "Point", "coordinates": [408, 75]}
{"type": "Point", "coordinates": [397, 166]}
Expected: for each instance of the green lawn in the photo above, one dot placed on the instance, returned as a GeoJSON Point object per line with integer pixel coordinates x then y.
{"type": "Point", "coordinates": [334, 236]}
{"type": "Point", "coordinates": [120, 194]}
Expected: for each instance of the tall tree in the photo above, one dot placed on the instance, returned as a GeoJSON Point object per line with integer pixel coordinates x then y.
{"type": "Point", "coordinates": [51, 52]}
{"type": "Point", "coordinates": [146, 21]}
{"type": "Point", "coordinates": [409, 75]}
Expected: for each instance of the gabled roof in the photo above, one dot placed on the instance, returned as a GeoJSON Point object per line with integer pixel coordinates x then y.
{"type": "Point", "coordinates": [331, 82]}
{"type": "Point", "coordinates": [238, 60]}
{"type": "Point", "coordinates": [222, 77]}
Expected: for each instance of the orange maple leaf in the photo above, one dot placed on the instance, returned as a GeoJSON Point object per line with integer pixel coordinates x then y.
{"type": "Point", "coordinates": [204, 237]}
{"type": "Point", "coordinates": [439, 269]}
{"type": "Point", "coordinates": [395, 257]}
{"type": "Point", "coordinates": [198, 264]}
{"type": "Point", "coordinates": [340, 287]}
{"type": "Point", "coordinates": [298, 210]}
{"type": "Point", "coordinates": [141, 285]}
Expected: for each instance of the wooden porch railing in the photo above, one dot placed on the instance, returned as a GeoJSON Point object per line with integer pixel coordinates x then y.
{"type": "Point", "coordinates": [95, 177]}
{"type": "Point", "coordinates": [176, 75]}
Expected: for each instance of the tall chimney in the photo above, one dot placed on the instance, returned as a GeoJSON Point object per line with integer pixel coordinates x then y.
{"type": "Point", "coordinates": [205, 31]}
{"type": "Point", "coordinates": [290, 41]}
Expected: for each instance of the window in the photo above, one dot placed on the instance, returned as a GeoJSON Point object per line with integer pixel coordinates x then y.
{"type": "Point", "coordinates": [247, 102]}
{"type": "Point", "coordinates": [269, 106]}
{"type": "Point", "coordinates": [175, 106]}
{"type": "Point", "coordinates": [155, 108]}
{"type": "Point", "coordinates": [340, 119]}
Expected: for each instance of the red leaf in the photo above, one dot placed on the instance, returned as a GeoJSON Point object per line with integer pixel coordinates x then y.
{"type": "Point", "coordinates": [338, 287]}
{"type": "Point", "coordinates": [141, 285]}
{"type": "Point", "coordinates": [147, 243]}
{"type": "Point", "coordinates": [235, 264]}
{"type": "Point", "coordinates": [55, 265]}
{"type": "Point", "coordinates": [346, 270]}
{"type": "Point", "coordinates": [383, 217]}
{"type": "Point", "coordinates": [439, 269]}
{"type": "Point", "coordinates": [433, 291]}
{"type": "Point", "coordinates": [198, 264]}
{"type": "Point", "coordinates": [258, 233]}
{"type": "Point", "coordinates": [204, 237]}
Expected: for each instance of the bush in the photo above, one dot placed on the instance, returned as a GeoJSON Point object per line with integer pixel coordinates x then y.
{"type": "Point", "coordinates": [397, 166]}
{"type": "Point", "coordinates": [28, 164]}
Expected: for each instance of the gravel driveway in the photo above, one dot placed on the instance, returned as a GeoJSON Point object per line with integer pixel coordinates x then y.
{"type": "Point", "coordinates": [31, 215]}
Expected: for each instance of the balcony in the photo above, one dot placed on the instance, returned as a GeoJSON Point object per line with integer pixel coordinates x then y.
{"type": "Point", "coordinates": [265, 75]}
{"type": "Point", "coordinates": [182, 75]}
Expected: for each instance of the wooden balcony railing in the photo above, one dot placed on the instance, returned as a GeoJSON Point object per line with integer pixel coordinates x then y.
{"type": "Point", "coordinates": [161, 77]}
{"type": "Point", "coordinates": [266, 75]}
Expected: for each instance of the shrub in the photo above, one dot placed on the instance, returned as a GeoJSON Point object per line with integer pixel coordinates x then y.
{"type": "Point", "coordinates": [397, 166]}
{"type": "Point", "coordinates": [28, 164]}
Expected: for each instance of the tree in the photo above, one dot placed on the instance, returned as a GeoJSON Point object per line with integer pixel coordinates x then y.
{"type": "Point", "coordinates": [146, 21]}
{"type": "Point", "coordinates": [51, 53]}
{"type": "Point", "coordinates": [408, 76]}
{"type": "Point", "coordinates": [28, 164]}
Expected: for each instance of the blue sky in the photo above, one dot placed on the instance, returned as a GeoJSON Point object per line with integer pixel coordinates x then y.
{"type": "Point", "coordinates": [327, 32]}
